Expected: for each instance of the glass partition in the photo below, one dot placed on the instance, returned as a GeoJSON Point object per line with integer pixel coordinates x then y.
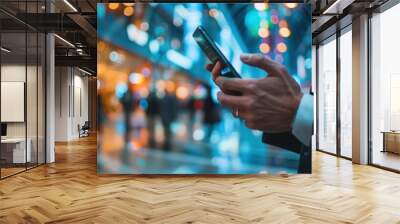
{"type": "Point", "coordinates": [385, 89]}
{"type": "Point", "coordinates": [14, 153]}
{"type": "Point", "coordinates": [346, 94]}
{"type": "Point", "coordinates": [327, 96]}
{"type": "Point", "coordinates": [22, 89]}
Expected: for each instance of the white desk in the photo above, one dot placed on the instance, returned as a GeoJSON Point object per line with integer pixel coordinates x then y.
{"type": "Point", "coordinates": [18, 149]}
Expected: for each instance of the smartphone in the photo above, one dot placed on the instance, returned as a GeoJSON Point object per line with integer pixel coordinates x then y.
{"type": "Point", "coordinates": [213, 53]}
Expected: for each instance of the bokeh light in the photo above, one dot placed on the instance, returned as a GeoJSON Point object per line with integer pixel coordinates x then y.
{"type": "Point", "coordinates": [274, 19]}
{"type": "Point", "coordinates": [136, 78]}
{"type": "Point", "coordinates": [284, 32]}
{"type": "Point", "coordinates": [128, 11]}
{"type": "Point", "coordinates": [281, 47]}
{"type": "Point", "coordinates": [291, 5]}
{"type": "Point", "coordinates": [113, 6]}
{"type": "Point", "coordinates": [261, 6]}
{"type": "Point", "coordinates": [263, 32]}
{"type": "Point", "coordinates": [213, 13]}
{"type": "Point", "coordinates": [265, 48]}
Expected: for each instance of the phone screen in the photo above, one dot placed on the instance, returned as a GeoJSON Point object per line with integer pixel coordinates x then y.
{"type": "Point", "coordinates": [213, 52]}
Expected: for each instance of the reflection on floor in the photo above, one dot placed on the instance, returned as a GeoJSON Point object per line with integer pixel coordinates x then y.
{"type": "Point", "coordinates": [10, 171]}
{"type": "Point", "coordinates": [187, 146]}
{"type": "Point", "coordinates": [198, 158]}
{"type": "Point", "coordinates": [387, 159]}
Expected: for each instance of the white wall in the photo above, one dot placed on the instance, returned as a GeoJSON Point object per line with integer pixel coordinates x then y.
{"type": "Point", "coordinates": [33, 127]}
{"type": "Point", "coordinates": [12, 73]}
{"type": "Point", "coordinates": [71, 93]}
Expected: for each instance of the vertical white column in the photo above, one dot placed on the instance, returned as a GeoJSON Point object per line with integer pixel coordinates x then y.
{"type": "Point", "coordinates": [360, 90]}
{"type": "Point", "coordinates": [50, 93]}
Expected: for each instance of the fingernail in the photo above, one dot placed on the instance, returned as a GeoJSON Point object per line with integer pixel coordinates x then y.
{"type": "Point", "coordinates": [245, 57]}
{"type": "Point", "coordinates": [218, 81]}
{"type": "Point", "coordinates": [219, 94]}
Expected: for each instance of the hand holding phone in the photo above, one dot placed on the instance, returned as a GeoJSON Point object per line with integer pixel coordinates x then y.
{"type": "Point", "coordinates": [214, 54]}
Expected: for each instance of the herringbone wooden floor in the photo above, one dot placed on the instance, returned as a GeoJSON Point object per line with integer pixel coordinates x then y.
{"type": "Point", "coordinates": [70, 191]}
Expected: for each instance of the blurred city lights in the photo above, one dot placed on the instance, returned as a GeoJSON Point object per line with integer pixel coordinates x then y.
{"type": "Point", "coordinates": [198, 135]}
{"type": "Point", "coordinates": [137, 35]}
{"type": "Point", "coordinates": [251, 20]}
{"type": "Point", "coordinates": [263, 32]}
{"type": "Point", "coordinates": [261, 6]}
{"type": "Point", "coordinates": [144, 26]}
{"type": "Point", "coordinates": [274, 19]}
{"type": "Point", "coordinates": [128, 4]}
{"type": "Point", "coordinates": [213, 13]}
{"type": "Point", "coordinates": [281, 47]}
{"type": "Point", "coordinates": [136, 78]}
{"type": "Point", "coordinates": [264, 24]}
{"type": "Point", "coordinates": [265, 48]}
{"type": "Point", "coordinates": [279, 58]}
{"type": "Point", "coordinates": [199, 92]}
{"type": "Point", "coordinates": [146, 71]}
{"type": "Point", "coordinates": [284, 32]}
{"type": "Point", "coordinates": [143, 104]}
{"type": "Point", "coordinates": [291, 5]}
{"type": "Point", "coordinates": [178, 21]}
{"type": "Point", "coordinates": [182, 92]}
{"type": "Point", "coordinates": [283, 23]}
{"type": "Point", "coordinates": [182, 11]}
{"type": "Point", "coordinates": [160, 85]}
{"type": "Point", "coordinates": [144, 92]}
{"type": "Point", "coordinates": [113, 6]}
{"type": "Point", "coordinates": [176, 43]}
{"type": "Point", "coordinates": [154, 46]}
{"type": "Point", "coordinates": [121, 89]}
{"type": "Point", "coordinates": [301, 69]}
{"type": "Point", "coordinates": [115, 57]}
{"type": "Point", "coordinates": [101, 10]}
{"type": "Point", "coordinates": [170, 86]}
{"type": "Point", "coordinates": [128, 11]}
{"type": "Point", "coordinates": [308, 63]}
{"type": "Point", "coordinates": [179, 59]}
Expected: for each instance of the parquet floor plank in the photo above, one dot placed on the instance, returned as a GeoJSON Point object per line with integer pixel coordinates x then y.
{"type": "Point", "coordinates": [70, 191]}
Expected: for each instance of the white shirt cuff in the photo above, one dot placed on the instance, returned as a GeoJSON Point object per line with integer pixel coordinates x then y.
{"type": "Point", "coordinates": [303, 121]}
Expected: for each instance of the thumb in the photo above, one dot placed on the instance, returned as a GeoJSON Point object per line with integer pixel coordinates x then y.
{"type": "Point", "coordinates": [272, 68]}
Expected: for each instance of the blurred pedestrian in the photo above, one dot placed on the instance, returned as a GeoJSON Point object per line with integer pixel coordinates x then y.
{"type": "Point", "coordinates": [212, 114]}
{"type": "Point", "coordinates": [152, 113]}
{"type": "Point", "coordinates": [168, 113]}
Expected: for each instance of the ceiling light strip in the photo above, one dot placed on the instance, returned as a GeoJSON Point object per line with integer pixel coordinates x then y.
{"type": "Point", "coordinates": [5, 50]}
{"type": "Point", "coordinates": [70, 5]}
{"type": "Point", "coordinates": [65, 41]}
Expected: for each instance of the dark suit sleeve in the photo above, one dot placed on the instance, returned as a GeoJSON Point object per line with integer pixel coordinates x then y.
{"type": "Point", "coordinates": [289, 142]}
{"type": "Point", "coordinates": [284, 140]}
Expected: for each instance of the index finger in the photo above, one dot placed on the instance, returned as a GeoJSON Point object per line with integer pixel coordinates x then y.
{"type": "Point", "coordinates": [216, 71]}
{"type": "Point", "coordinates": [235, 84]}
{"type": "Point", "coordinates": [232, 101]}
